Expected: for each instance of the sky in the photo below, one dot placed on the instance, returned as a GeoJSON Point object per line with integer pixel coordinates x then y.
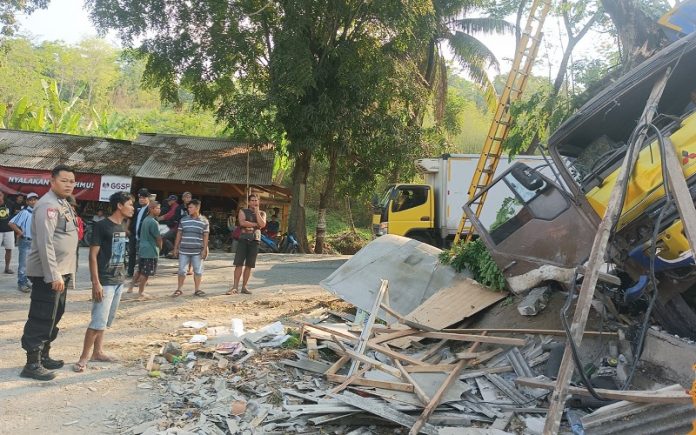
{"type": "Point", "coordinates": [67, 20]}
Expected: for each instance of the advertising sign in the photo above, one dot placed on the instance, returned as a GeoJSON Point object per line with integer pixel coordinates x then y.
{"type": "Point", "coordinates": [111, 184]}
{"type": "Point", "coordinates": [17, 180]}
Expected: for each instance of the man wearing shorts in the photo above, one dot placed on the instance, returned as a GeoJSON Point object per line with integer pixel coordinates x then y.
{"type": "Point", "coordinates": [107, 268]}
{"type": "Point", "coordinates": [148, 249]}
{"type": "Point", "coordinates": [251, 220]}
{"type": "Point", "coordinates": [7, 236]}
{"type": "Point", "coordinates": [191, 246]}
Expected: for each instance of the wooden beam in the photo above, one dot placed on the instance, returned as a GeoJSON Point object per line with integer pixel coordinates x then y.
{"type": "Point", "coordinates": [349, 380]}
{"type": "Point", "coordinates": [652, 397]}
{"type": "Point", "coordinates": [435, 401]}
{"type": "Point", "coordinates": [367, 330]}
{"type": "Point", "coordinates": [382, 338]}
{"type": "Point", "coordinates": [416, 388]}
{"type": "Point", "coordinates": [525, 331]}
{"type": "Point", "coordinates": [595, 261]}
{"type": "Point", "coordinates": [397, 386]}
{"type": "Point", "coordinates": [434, 368]}
{"type": "Point", "coordinates": [312, 351]}
{"type": "Point", "coordinates": [379, 348]}
{"type": "Point", "coordinates": [474, 338]}
{"type": "Point", "coordinates": [337, 366]}
{"type": "Point", "coordinates": [367, 360]}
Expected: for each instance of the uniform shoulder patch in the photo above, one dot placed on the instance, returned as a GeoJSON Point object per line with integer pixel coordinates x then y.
{"type": "Point", "coordinates": [52, 213]}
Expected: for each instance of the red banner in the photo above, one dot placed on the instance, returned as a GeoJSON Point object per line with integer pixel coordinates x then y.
{"type": "Point", "coordinates": [17, 180]}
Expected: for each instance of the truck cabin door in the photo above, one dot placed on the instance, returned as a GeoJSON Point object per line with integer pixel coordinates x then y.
{"type": "Point", "coordinates": [411, 208]}
{"type": "Point", "coordinates": [537, 225]}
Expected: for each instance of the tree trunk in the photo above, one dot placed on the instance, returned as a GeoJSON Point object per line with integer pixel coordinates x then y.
{"type": "Point", "coordinates": [324, 202]}
{"type": "Point", "coordinates": [639, 34]}
{"type": "Point", "coordinates": [297, 218]}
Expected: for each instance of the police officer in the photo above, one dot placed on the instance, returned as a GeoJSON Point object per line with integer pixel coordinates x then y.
{"type": "Point", "coordinates": [49, 266]}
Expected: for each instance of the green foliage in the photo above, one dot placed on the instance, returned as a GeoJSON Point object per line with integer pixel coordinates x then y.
{"type": "Point", "coordinates": [505, 212]}
{"type": "Point", "coordinates": [294, 341]}
{"type": "Point", "coordinates": [474, 256]}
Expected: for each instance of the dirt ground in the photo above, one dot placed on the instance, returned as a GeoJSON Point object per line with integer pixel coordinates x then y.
{"type": "Point", "coordinates": [106, 398]}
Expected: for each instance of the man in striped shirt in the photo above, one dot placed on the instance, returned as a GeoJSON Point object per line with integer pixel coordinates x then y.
{"type": "Point", "coordinates": [191, 246]}
{"type": "Point", "coordinates": [21, 225]}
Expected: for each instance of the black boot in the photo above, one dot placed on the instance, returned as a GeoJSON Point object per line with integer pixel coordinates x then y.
{"type": "Point", "coordinates": [33, 369]}
{"type": "Point", "coordinates": [47, 361]}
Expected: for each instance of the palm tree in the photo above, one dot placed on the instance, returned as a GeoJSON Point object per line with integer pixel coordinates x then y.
{"type": "Point", "coordinates": [456, 28]}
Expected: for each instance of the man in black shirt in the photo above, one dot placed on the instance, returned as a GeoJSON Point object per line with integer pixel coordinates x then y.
{"type": "Point", "coordinates": [7, 237]}
{"type": "Point", "coordinates": [107, 267]}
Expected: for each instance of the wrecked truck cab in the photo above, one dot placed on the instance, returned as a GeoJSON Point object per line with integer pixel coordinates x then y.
{"type": "Point", "coordinates": [542, 240]}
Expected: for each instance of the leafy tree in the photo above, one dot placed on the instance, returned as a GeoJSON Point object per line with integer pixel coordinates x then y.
{"type": "Point", "coordinates": [9, 10]}
{"type": "Point", "coordinates": [302, 70]}
{"type": "Point", "coordinates": [456, 27]}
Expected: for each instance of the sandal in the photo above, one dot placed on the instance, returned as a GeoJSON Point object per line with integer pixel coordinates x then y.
{"type": "Point", "coordinates": [79, 367]}
{"type": "Point", "coordinates": [177, 293]}
{"type": "Point", "coordinates": [246, 291]}
{"type": "Point", "coordinates": [199, 293]}
{"type": "Point", "coordinates": [232, 291]}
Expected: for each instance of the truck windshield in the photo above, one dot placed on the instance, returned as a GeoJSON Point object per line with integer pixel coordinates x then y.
{"type": "Point", "coordinates": [386, 196]}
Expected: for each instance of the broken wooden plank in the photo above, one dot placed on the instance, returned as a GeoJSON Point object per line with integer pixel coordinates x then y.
{"type": "Point", "coordinates": [416, 388]}
{"type": "Point", "coordinates": [379, 348]}
{"type": "Point", "coordinates": [349, 380]}
{"type": "Point", "coordinates": [385, 411]}
{"type": "Point", "coordinates": [435, 401]}
{"type": "Point", "coordinates": [367, 330]}
{"type": "Point", "coordinates": [635, 396]}
{"type": "Point", "coordinates": [312, 351]}
{"type": "Point", "coordinates": [382, 338]}
{"type": "Point", "coordinates": [399, 386]}
{"type": "Point", "coordinates": [506, 341]}
{"type": "Point", "coordinates": [377, 364]}
{"type": "Point", "coordinates": [596, 260]}
{"type": "Point", "coordinates": [483, 371]}
{"type": "Point", "coordinates": [430, 368]}
{"type": "Point", "coordinates": [525, 331]}
{"type": "Point", "coordinates": [337, 365]}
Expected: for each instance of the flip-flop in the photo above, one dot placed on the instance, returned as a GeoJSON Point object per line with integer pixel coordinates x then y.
{"type": "Point", "coordinates": [199, 293]}
{"type": "Point", "coordinates": [232, 291]}
{"type": "Point", "coordinates": [79, 367]}
{"type": "Point", "coordinates": [108, 359]}
{"type": "Point", "coordinates": [177, 294]}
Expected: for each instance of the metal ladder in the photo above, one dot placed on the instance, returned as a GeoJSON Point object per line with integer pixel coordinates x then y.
{"type": "Point", "coordinates": [498, 131]}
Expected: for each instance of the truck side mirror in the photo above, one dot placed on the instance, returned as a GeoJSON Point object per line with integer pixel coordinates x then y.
{"type": "Point", "coordinates": [527, 177]}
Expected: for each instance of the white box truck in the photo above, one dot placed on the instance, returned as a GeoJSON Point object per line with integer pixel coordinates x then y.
{"type": "Point", "coordinates": [431, 212]}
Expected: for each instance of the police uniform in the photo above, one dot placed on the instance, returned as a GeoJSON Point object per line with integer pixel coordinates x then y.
{"type": "Point", "coordinates": [52, 256]}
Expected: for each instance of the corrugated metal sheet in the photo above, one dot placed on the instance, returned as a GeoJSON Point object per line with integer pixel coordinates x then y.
{"type": "Point", "coordinates": [43, 151]}
{"type": "Point", "coordinates": [205, 159]}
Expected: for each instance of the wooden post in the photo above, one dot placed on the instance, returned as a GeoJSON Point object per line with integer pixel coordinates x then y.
{"type": "Point", "coordinates": [367, 330]}
{"type": "Point", "coordinates": [599, 248]}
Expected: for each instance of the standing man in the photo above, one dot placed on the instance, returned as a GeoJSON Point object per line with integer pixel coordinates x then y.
{"type": "Point", "coordinates": [192, 246]}
{"type": "Point", "coordinates": [49, 267]}
{"type": "Point", "coordinates": [7, 237]}
{"type": "Point", "coordinates": [134, 228]}
{"type": "Point", "coordinates": [171, 219]}
{"type": "Point", "coordinates": [107, 268]}
{"type": "Point", "coordinates": [148, 250]}
{"type": "Point", "coordinates": [251, 220]}
{"type": "Point", "coordinates": [21, 225]}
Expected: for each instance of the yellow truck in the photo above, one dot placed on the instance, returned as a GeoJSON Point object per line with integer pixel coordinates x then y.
{"type": "Point", "coordinates": [430, 212]}
{"type": "Point", "coordinates": [549, 231]}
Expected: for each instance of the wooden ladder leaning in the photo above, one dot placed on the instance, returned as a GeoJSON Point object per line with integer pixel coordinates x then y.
{"type": "Point", "coordinates": [498, 131]}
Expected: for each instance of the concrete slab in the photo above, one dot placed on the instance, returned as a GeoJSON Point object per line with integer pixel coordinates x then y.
{"type": "Point", "coordinates": [676, 356]}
